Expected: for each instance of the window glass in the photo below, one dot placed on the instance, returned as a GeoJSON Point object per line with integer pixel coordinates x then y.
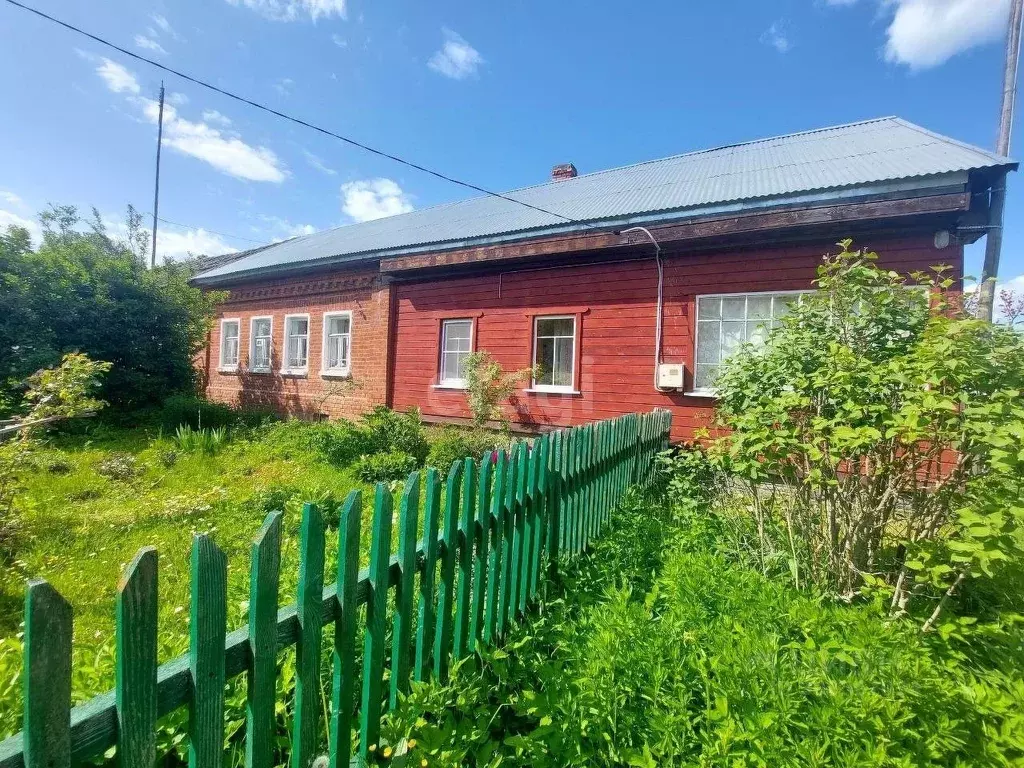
{"type": "Point", "coordinates": [338, 336]}
{"type": "Point", "coordinates": [297, 343]}
{"type": "Point", "coordinates": [554, 352]}
{"type": "Point", "coordinates": [725, 323]}
{"type": "Point", "coordinates": [456, 346]}
{"type": "Point", "coordinates": [229, 343]}
{"type": "Point", "coordinates": [261, 344]}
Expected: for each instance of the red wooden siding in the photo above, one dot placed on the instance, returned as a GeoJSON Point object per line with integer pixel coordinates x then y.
{"type": "Point", "coordinates": [615, 336]}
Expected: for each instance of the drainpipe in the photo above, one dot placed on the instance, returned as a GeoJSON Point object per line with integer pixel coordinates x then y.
{"type": "Point", "coordinates": [661, 299]}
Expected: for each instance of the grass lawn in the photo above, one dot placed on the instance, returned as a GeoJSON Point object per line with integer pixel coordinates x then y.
{"type": "Point", "coordinates": [92, 502]}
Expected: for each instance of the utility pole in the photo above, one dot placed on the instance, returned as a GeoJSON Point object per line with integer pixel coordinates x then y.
{"type": "Point", "coordinates": [997, 200]}
{"type": "Point", "coordinates": [156, 190]}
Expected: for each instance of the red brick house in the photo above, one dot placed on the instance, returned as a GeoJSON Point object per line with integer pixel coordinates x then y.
{"type": "Point", "coordinates": [626, 288]}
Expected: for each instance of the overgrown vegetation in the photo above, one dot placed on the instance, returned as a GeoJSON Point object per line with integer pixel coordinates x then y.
{"type": "Point", "coordinates": [877, 437]}
{"type": "Point", "coordinates": [488, 387]}
{"type": "Point", "coordinates": [88, 290]}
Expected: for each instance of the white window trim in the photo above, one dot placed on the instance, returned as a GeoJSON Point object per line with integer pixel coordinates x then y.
{"type": "Point", "coordinates": [252, 344]}
{"type": "Point", "coordinates": [345, 371]}
{"type": "Point", "coordinates": [222, 366]}
{"type": "Point", "coordinates": [569, 389]}
{"type": "Point", "coordinates": [285, 370]}
{"type": "Point", "coordinates": [711, 391]}
{"type": "Point", "coordinates": [443, 383]}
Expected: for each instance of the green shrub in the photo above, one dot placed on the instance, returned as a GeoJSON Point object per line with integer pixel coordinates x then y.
{"type": "Point", "coordinates": [335, 442]}
{"type": "Point", "coordinates": [391, 431]}
{"type": "Point", "coordinates": [453, 444]}
{"type": "Point", "coordinates": [384, 467]}
{"type": "Point", "coordinates": [205, 441]}
{"type": "Point", "coordinates": [692, 480]}
{"type": "Point", "coordinates": [121, 467]}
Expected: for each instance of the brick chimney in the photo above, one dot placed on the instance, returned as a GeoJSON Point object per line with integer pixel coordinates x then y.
{"type": "Point", "coordinates": [564, 171]}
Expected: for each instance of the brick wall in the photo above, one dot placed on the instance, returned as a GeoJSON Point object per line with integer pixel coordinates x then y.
{"type": "Point", "coordinates": [615, 305]}
{"type": "Point", "coordinates": [361, 291]}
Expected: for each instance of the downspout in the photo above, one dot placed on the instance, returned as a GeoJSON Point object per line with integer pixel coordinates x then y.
{"type": "Point", "coordinates": [661, 300]}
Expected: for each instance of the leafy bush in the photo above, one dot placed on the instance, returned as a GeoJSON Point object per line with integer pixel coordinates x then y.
{"type": "Point", "coordinates": [121, 467]}
{"type": "Point", "coordinates": [488, 387]}
{"type": "Point", "coordinates": [391, 431]}
{"type": "Point", "coordinates": [112, 307]}
{"type": "Point", "coordinates": [200, 413]}
{"type": "Point", "coordinates": [205, 441]}
{"type": "Point", "coordinates": [691, 478]}
{"type": "Point", "coordinates": [384, 467]}
{"type": "Point", "coordinates": [454, 444]}
{"type": "Point", "coordinates": [335, 442]}
{"type": "Point", "coordinates": [875, 430]}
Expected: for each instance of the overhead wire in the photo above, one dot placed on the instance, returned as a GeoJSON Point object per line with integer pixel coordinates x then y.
{"type": "Point", "coordinates": [298, 121]}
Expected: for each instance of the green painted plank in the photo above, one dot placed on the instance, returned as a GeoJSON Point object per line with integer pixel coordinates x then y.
{"type": "Point", "coordinates": [526, 507]}
{"type": "Point", "coordinates": [538, 510]}
{"type": "Point", "coordinates": [481, 536]}
{"type": "Point", "coordinates": [376, 618]}
{"type": "Point", "coordinates": [345, 626]}
{"type": "Point", "coordinates": [46, 677]}
{"type": "Point", "coordinates": [494, 555]}
{"type": "Point", "coordinates": [519, 531]}
{"type": "Point", "coordinates": [401, 633]}
{"type": "Point", "coordinates": [136, 661]}
{"type": "Point", "coordinates": [443, 637]}
{"type": "Point", "coordinates": [463, 603]}
{"type": "Point", "coordinates": [554, 491]}
{"type": "Point", "coordinates": [264, 580]}
{"type": "Point", "coordinates": [207, 630]}
{"type": "Point", "coordinates": [305, 726]}
{"type": "Point", "coordinates": [509, 552]}
{"type": "Point", "coordinates": [425, 624]}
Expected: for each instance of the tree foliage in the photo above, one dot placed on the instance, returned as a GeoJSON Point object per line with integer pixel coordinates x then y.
{"type": "Point", "coordinates": [881, 430]}
{"type": "Point", "coordinates": [488, 386]}
{"type": "Point", "coordinates": [87, 290]}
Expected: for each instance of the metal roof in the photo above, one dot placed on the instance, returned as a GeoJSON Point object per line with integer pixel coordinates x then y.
{"type": "Point", "coordinates": [869, 157]}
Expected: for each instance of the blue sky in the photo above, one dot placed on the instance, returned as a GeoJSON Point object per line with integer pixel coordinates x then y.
{"type": "Point", "coordinates": [495, 93]}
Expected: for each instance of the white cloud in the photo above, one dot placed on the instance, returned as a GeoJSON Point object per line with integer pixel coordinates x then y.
{"type": "Point", "coordinates": [290, 10]}
{"type": "Point", "coordinates": [225, 152]}
{"type": "Point", "coordinates": [11, 198]}
{"type": "Point", "coordinates": [339, 41]}
{"type": "Point", "coordinates": [283, 85]}
{"type": "Point", "coordinates": [177, 244]}
{"type": "Point", "coordinates": [776, 37]}
{"type": "Point", "coordinates": [12, 219]}
{"type": "Point", "coordinates": [117, 78]}
{"type": "Point", "coordinates": [213, 116]}
{"type": "Point", "coordinates": [177, 99]}
{"type": "Point", "coordinates": [319, 164]}
{"type": "Point", "coordinates": [925, 33]}
{"type": "Point", "coordinates": [279, 229]}
{"type": "Point", "coordinates": [165, 26]}
{"type": "Point", "coordinates": [373, 199]}
{"type": "Point", "coordinates": [457, 59]}
{"type": "Point", "coordinates": [149, 44]}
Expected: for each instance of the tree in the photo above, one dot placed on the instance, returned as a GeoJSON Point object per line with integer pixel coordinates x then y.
{"type": "Point", "coordinates": [89, 291]}
{"type": "Point", "coordinates": [880, 429]}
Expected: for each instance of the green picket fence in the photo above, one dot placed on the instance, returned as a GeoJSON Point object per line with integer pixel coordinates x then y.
{"type": "Point", "coordinates": [506, 523]}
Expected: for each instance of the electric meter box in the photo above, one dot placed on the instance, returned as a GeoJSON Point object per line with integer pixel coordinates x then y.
{"type": "Point", "coordinates": [670, 375]}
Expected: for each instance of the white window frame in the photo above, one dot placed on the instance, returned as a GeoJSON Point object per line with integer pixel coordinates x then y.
{"type": "Point", "coordinates": [252, 345]}
{"type": "Point", "coordinates": [225, 366]}
{"type": "Point", "coordinates": [711, 391]}
{"type": "Point", "coordinates": [302, 370]}
{"type": "Point", "coordinates": [346, 369]}
{"type": "Point", "coordinates": [563, 388]}
{"type": "Point", "coordinates": [443, 383]}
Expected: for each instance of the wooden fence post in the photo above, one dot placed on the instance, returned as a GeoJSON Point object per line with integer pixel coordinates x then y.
{"type": "Point", "coordinates": [401, 633]}
{"type": "Point", "coordinates": [46, 677]}
{"type": "Point", "coordinates": [376, 617]}
{"type": "Point", "coordinates": [261, 692]}
{"type": "Point", "coordinates": [349, 524]}
{"type": "Point", "coordinates": [207, 629]}
{"type": "Point", "coordinates": [136, 661]}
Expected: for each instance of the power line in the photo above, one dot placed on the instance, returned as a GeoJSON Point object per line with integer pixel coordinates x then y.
{"type": "Point", "coordinates": [296, 120]}
{"type": "Point", "coordinates": [211, 231]}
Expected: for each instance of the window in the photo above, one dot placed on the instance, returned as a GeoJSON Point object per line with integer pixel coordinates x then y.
{"type": "Point", "coordinates": [229, 344]}
{"type": "Point", "coordinates": [554, 353]}
{"type": "Point", "coordinates": [726, 321]}
{"type": "Point", "coordinates": [296, 343]}
{"type": "Point", "coordinates": [456, 346]}
{"type": "Point", "coordinates": [261, 337]}
{"type": "Point", "coordinates": [337, 343]}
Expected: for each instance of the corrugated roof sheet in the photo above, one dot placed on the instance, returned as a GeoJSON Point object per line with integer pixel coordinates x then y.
{"type": "Point", "coordinates": [839, 158]}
